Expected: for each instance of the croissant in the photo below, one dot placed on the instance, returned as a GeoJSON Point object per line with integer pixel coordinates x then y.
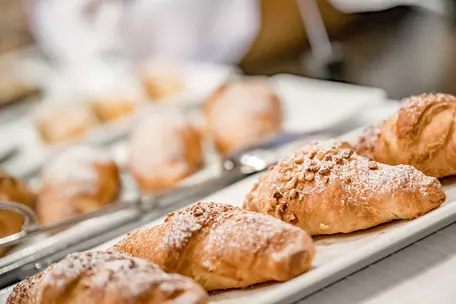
{"type": "Point", "coordinates": [221, 246]}
{"type": "Point", "coordinates": [327, 188]}
{"type": "Point", "coordinates": [421, 134]}
{"type": "Point", "coordinates": [12, 189]}
{"type": "Point", "coordinates": [104, 278]}
{"type": "Point", "coordinates": [242, 113]}
{"type": "Point", "coordinates": [81, 180]}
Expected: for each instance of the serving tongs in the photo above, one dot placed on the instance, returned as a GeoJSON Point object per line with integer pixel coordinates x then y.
{"type": "Point", "coordinates": [143, 209]}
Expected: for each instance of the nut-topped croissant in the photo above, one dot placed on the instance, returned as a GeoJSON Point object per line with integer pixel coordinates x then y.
{"type": "Point", "coordinates": [327, 188]}
{"type": "Point", "coordinates": [104, 278]}
{"type": "Point", "coordinates": [221, 246]}
{"type": "Point", "coordinates": [421, 134]}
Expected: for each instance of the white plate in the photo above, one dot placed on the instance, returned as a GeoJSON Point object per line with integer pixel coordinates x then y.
{"type": "Point", "coordinates": [337, 256]}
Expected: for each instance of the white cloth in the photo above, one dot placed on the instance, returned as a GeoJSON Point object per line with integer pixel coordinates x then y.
{"type": "Point", "coordinates": [197, 30]}
{"type": "Point", "coordinates": [352, 6]}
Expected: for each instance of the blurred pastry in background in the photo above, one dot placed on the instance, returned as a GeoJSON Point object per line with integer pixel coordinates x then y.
{"type": "Point", "coordinates": [13, 190]}
{"type": "Point", "coordinates": [111, 108]}
{"type": "Point", "coordinates": [163, 150]}
{"type": "Point", "coordinates": [242, 113]}
{"type": "Point", "coordinates": [161, 79]}
{"type": "Point", "coordinates": [80, 180]}
{"type": "Point", "coordinates": [64, 122]}
{"type": "Point", "coordinates": [112, 92]}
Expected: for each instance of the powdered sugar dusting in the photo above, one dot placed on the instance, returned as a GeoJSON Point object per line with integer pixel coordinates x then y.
{"type": "Point", "coordinates": [240, 110]}
{"type": "Point", "coordinates": [115, 273]}
{"type": "Point", "coordinates": [188, 221]}
{"type": "Point", "coordinates": [76, 166]}
{"type": "Point", "coordinates": [252, 233]}
{"type": "Point", "coordinates": [157, 147]}
{"type": "Point", "coordinates": [355, 180]}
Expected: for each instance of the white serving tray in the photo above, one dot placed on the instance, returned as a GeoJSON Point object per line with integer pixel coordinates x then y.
{"type": "Point", "coordinates": [337, 256]}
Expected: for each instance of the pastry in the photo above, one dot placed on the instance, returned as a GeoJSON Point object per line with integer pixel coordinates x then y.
{"type": "Point", "coordinates": [82, 179]}
{"type": "Point", "coordinates": [13, 190]}
{"type": "Point", "coordinates": [161, 79]}
{"type": "Point", "coordinates": [64, 122]}
{"type": "Point", "coordinates": [110, 108]}
{"type": "Point", "coordinates": [326, 188]}
{"type": "Point", "coordinates": [241, 114]}
{"type": "Point", "coordinates": [221, 246]}
{"type": "Point", "coordinates": [106, 278]}
{"type": "Point", "coordinates": [113, 94]}
{"type": "Point", "coordinates": [163, 150]}
{"type": "Point", "coordinates": [420, 134]}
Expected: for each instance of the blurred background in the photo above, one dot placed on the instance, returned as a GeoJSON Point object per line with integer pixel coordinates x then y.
{"type": "Point", "coordinates": [404, 47]}
{"type": "Point", "coordinates": [110, 54]}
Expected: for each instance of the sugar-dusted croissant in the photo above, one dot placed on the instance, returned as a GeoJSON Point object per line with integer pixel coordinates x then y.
{"type": "Point", "coordinates": [104, 278]}
{"type": "Point", "coordinates": [326, 188]}
{"type": "Point", "coordinates": [421, 134]}
{"type": "Point", "coordinates": [82, 179]}
{"type": "Point", "coordinates": [242, 113]}
{"type": "Point", "coordinates": [221, 246]}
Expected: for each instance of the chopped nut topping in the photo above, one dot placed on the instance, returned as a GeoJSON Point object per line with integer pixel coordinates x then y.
{"type": "Point", "coordinates": [324, 179]}
{"type": "Point", "coordinates": [292, 218]}
{"type": "Point", "coordinates": [347, 153]}
{"type": "Point", "coordinates": [285, 177]}
{"type": "Point", "coordinates": [320, 155]}
{"type": "Point", "coordinates": [292, 183]}
{"type": "Point", "coordinates": [283, 207]}
{"type": "Point", "coordinates": [312, 154]}
{"type": "Point", "coordinates": [298, 160]}
{"type": "Point", "coordinates": [327, 157]}
{"type": "Point", "coordinates": [324, 170]}
{"type": "Point", "coordinates": [198, 211]}
{"type": "Point", "coordinates": [293, 194]}
{"type": "Point", "coordinates": [372, 165]}
{"type": "Point", "coordinates": [314, 168]}
{"type": "Point", "coordinates": [309, 176]}
{"type": "Point", "coordinates": [301, 177]}
{"type": "Point", "coordinates": [277, 195]}
{"type": "Point", "coordinates": [339, 160]}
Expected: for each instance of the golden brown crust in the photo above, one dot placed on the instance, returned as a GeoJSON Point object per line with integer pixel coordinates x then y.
{"type": "Point", "coordinates": [421, 134]}
{"type": "Point", "coordinates": [161, 79]}
{"type": "Point", "coordinates": [222, 246]}
{"type": "Point", "coordinates": [103, 278]}
{"type": "Point", "coordinates": [60, 123]}
{"type": "Point", "coordinates": [327, 188]}
{"type": "Point", "coordinates": [241, 114]}
{"type": "Point", "coordinates": [80, 180]}
{"type": "Point", "coordinates": [113, 108]}
{"type": "Point", "coordinates": [13, 190]}
{"type": "Point", "coordinates": [164, 149]}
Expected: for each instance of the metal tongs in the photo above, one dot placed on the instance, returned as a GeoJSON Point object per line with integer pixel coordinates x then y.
{"type": "Point", "coordinates": [244, 162]}
{"type": "Point", "coordinates": [144, 209]}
